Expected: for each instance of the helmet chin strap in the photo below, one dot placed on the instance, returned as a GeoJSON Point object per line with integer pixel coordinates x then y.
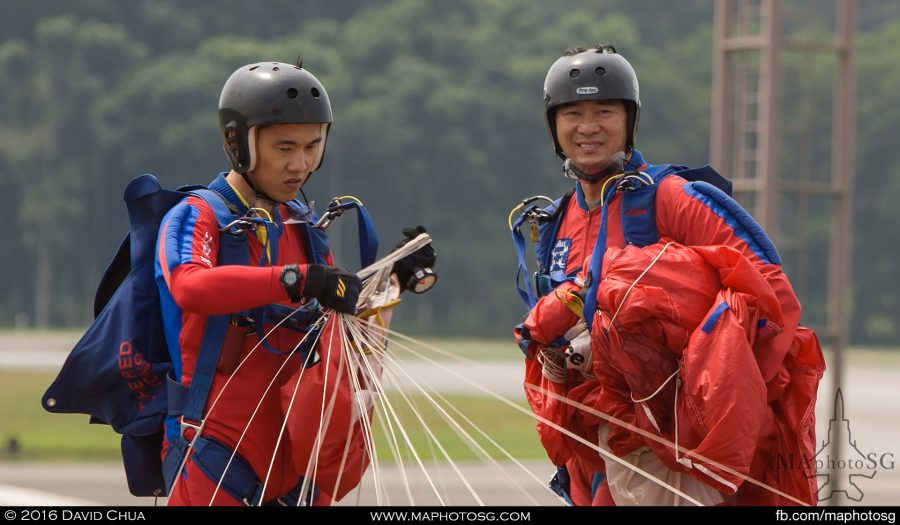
{"type": "Point", "coordinates": [260, 195]}
{"type": "Point", "coordinates": [615, 166]}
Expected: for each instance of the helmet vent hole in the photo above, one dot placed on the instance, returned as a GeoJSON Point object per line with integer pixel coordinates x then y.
{"type": "Point", "coordinates": [315, 92]}
{"type": "Point", "coordinates": [575, 73]}
{"type": "Point", "coordinates": [254, 68]}
{"type": "Point", "coordinates": [600, 71]}
{"type": "Point", "coordinates": [275, 68]}
{"type": "Point", "coordinates": [292, 93]}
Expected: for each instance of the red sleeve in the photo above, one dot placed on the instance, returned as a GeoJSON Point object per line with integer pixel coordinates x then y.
{"type": "Point", "coordinates": [225, 289]}
{"type": "Point", "coordinates": [187, 250]}
{"type": "Point", "coordinates": [551, 318]}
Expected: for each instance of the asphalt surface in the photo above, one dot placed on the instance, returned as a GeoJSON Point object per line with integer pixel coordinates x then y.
{"type": "Point", "coordinates": [870, 421]}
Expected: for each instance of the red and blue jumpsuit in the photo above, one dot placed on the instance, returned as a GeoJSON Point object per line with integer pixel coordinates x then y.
{"type": "Point", "coordinates": [193, 287]}
{"type": "Point", "coordinates": [572, 245]}
{"type": "Point", "coordinates": [688, 218]}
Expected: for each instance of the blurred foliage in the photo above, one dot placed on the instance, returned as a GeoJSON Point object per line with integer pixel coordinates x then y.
{"type": "Point", "coordinates": [439, 121]}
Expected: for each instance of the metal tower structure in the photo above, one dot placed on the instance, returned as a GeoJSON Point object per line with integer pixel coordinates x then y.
{"type": "Point", "coordinates": [755, 41]}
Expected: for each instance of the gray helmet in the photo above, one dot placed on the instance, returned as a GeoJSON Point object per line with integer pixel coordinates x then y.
{"type": "Point", "coordinates": [595, 73]}
{"type": "Point", "coordinates": [263, 94]}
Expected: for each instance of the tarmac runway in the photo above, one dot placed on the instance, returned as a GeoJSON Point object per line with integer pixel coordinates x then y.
{"type": "Point", "coordinates": [870, 422]}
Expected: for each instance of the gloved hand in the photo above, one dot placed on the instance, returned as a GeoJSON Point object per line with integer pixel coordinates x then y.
{"type": "Point", "coordinates": [334, 287]}
{"type": "Point", "coordinates": [424, 257]}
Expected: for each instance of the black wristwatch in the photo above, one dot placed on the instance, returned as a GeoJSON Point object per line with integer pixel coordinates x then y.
{"type": "Point", "coordinates": [290, 280]}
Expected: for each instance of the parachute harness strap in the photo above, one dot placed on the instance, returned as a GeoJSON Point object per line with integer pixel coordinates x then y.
{"type": "Point", "coordinates": [572, 300]}
{"type": "Point", "coordinates": [335, 209]}
{"type": "Point", "coordinates": [532, 214]}
{"type": "Point", "coordinates": [253, 219]}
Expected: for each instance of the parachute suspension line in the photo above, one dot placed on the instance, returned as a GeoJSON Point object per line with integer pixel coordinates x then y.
{"type": "Point", "coordinates": [324, 413]}
{"type": "Point", "coordinates": [389, 414]}
{"type": "Point", "coordinates": [414, 409]}
{"type": "Point", "coordinates": [368, 436]}
{"type": "Point", "coordinates": [396, 450]}
{"type": "Point", "coordinates": [374, 332]}
{"type": "Point", "coordinates": [659, 439]}
{"type": "Point", "coordinates": [382, 414]}
{"type": "Point", "coordinates": [356, 397]}
{"type": "Point", "coordinates": [651, 396]}
{"type": "Point", "coordinates": [546, 421]}
{"type": "Point", "coordinates": [390, 409]}
{"type": "Point", "coordinates": [417, 411]}
{"type": "Point", "coordinates": [222, 391]}
{"type": "Point", "coordinates": [374, 390]}
{"type": "Point", "coordinates": [475, 446]}
{"type": "Point", "coordinates": [287, 412]}
{"type": "Point", "coordinates": [433, 438]}
{"type": "Point", "coordinates": [682, 460]}
{"type": "Point", "coordinates": [499, 447]}
{"type": "Point", "coordinates": [641, 276]}
{"type": "Point", "coordinates": [678, 449]}
{"type": "Point", "coordinates": [609, 455]}
{"type": "Point", "coordinates": [259, 404]}
{"type": "Point", "coordinates": [553, 364]}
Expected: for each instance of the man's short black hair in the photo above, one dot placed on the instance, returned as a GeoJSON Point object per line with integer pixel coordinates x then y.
{"type": "Point", "coordinates": [600, 48]}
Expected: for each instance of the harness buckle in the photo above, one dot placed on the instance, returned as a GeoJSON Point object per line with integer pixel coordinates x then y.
{"type": "Point", "coordinates": [184, 425]}
{"type": "Point", "coordinates": [239, 225]}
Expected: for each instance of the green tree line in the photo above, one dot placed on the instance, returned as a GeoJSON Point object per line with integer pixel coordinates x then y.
{"type": "Point", "coordinates": [438, 121]}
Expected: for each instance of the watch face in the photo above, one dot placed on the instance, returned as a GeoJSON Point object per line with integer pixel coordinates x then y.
{"type": "Point", "coordinates": [290, 277]}
{"type": "Point", "coordinates": [424, 284]}
{"type": "Point", "coordinates": [422, 280]}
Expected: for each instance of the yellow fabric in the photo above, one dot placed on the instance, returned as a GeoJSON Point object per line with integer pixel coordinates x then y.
{"type": "Point", "coordinates": [261, 233]}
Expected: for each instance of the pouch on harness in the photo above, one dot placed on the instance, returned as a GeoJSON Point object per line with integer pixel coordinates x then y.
{"type": "Point", "coordinates": [120, 371]}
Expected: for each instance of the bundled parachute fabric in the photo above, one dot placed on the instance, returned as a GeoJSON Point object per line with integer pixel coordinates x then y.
{"type": "Point", "coordinates": [689, 344]}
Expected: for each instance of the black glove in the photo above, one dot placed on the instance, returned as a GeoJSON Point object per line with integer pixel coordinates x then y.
{"type": "Point", "coordinates": [424, 257]}
{"type": "Point", "coordinates": [334, 287]}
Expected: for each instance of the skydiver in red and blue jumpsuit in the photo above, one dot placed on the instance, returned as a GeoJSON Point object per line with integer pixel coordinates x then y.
{"type": "Point", "coordinates": [593, 131]}
{"type": "Point", "coordinates": [591, 95]}
{"type": "Point", "coordinates": [274, 122]}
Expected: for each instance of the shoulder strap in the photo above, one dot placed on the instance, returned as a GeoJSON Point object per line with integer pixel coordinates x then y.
{"type": "Point", "coordinates": [546, 232]}
{"type": "Point", "coordinates": [639, 201]}
{"type": "Point", "coordinates": [317, 238]}
{"type": "Point", "coordinates": [232, 250]}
